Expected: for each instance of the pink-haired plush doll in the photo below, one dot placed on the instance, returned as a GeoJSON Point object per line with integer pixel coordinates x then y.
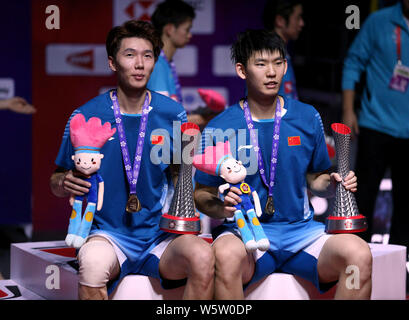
{"type": "Point", "coordinates": [87, 139]}
{"type": "Point", "coordinates": [218, 161]}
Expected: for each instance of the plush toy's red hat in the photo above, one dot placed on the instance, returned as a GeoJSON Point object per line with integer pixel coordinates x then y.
{"type": "Point", "coordinates": [214, 100]}
{"type": "Point", "coordinates": [89, 136]}
{"type": "Point", "coordinates": [212, 158]}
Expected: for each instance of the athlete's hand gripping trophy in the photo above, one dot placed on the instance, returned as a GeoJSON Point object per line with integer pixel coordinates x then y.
{"type": "Point", "coordinates": [181, 217]}
{"type": "Point", "coordinates": [345, 218]}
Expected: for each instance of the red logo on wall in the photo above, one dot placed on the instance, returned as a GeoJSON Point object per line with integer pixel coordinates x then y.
{"type": "Point", "coordinates": [144, 4]}
{"type": "Point", "coordinates": [83, 59]}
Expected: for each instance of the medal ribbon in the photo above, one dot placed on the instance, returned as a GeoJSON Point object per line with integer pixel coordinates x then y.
{"type": "Point", "coordinates": [132, 174]}
{"type": "Point", "coordinates": [174, 75]}
{"type": "Point", "coordinates": [274, 147]}
{"type": "Point", "coordinates": [398, 44]}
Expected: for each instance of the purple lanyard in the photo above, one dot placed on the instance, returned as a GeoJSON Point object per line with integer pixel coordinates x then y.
{"type": "Point", "coordinates": [132, 175]}
{"type": "Point", "coordinates": [174, 75]}
{"type": "Point", "coordinates": [274, 152]}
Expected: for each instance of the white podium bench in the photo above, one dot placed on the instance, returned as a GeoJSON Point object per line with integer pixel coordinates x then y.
{"type": "Point", "coordinates": [47, 269]}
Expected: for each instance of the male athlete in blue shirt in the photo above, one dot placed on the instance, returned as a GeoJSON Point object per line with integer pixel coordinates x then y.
{"type": "Point", "coordinates": [122, 242]}
{"type": "Point", "coordinates": [299, 245]}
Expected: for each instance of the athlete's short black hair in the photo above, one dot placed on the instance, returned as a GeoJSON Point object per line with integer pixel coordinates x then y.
{"type": "Point", "coordinates": [129, 29]}
{"type": "Point", "coordinates": [251, 41]}
{"type": "Point", "coordinates": [175, 12]}
{"type": "Point", "coordinates": [274, 8]}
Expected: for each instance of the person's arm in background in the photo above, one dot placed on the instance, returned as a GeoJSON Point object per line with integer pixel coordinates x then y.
{"type": "Point", "coordinates": [354, 64]}
{"type": "Point", "coordinates": [349, 117]}
{"type": "Point", "coordinates": [18, 105]}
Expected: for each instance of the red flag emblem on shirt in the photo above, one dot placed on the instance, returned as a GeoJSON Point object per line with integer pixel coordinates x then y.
{"type": "Point", "coordinates": [294, 141]}
{"type": "Point", "coordinates": [157, 139]}
{"type": "Point", "coordinates": [288, 87]}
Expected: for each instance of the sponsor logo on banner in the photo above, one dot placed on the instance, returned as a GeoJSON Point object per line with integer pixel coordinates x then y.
{"type": "Point", "coordinates": [124, 10]}
{"type": "Point", "coordinates": [186, 61]}
{"type": "Point", "coordinates": [6, 88]}
{"type": "Point", "coordinates": [9, 292]}
{"type": "Point", "coordinates": [77, 59]}
{"type": "Point", "coordinates": [222, 65]}
{"type": "Point", "coordinates": [204, 21]}
{"type": "Point", "coordinates": [192, 99]}
{"type": "Point", "coordinates": [82, 59]}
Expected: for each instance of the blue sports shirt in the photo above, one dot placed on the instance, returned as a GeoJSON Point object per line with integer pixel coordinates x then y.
{"type": "Point", "coordinates": [302, 149]}
{"type": "Point", "coordinates": [137, 233]}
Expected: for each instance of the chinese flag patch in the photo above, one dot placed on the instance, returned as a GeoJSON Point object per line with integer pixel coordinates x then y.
{"type": "Point", "coordinates": [294, 141]}
{"type": "Point", "coordinates": [157, 139]}
{"type": "Point", "coordinates": [288, 87]}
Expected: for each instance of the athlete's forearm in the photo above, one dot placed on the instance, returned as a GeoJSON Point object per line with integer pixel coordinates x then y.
{"type": "Point", "coordinates": [348, 97]}
{"type": "Point", "coordinates": [321, 185]}
{"type": "Point", "coordinates": [57, 186]}
{"type": "Point", "coordinates": [208, 202]}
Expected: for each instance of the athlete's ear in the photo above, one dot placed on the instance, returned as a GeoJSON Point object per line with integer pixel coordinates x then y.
{"type": "Point", "coordinates": [111, 63]}
{"type": "Point", "coordinates": [280, 22]}
{"type": "Point", "coordinates": [168, 29]}
{"type": "Point", "coordinates": [241, 70]}
{"type": "Point", "coordinates": [286, 66]}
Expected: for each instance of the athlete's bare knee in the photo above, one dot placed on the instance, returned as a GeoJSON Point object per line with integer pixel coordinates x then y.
{"type": "Point", "coordinates": [91, 293]}
{"type": "Point", "coordinates": [230, 257]}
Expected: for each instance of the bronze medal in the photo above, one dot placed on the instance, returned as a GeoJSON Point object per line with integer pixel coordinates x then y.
{"type": "Point", "coordinates": [133, 204]}
{"type": "Point", "coordinates": [270, 209]}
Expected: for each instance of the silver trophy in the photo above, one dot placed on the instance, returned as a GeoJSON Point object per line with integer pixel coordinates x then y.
{"type": "Point", "coordinates": [346, 217]}
{"type": "Point", "coordinates": [181, 216]}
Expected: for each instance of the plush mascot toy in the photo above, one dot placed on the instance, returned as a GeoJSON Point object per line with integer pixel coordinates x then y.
{"type": "Point", "coordinates": [218, 161]}
{"type": "Point", "coordinates": [87, 139]}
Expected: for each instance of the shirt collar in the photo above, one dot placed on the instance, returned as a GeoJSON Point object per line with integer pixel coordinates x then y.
{"type": "Point", "coordinates": [397, 16]}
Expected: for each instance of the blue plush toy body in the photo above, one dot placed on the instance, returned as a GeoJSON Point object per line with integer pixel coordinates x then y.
{"type": "Point", "coordinates": [79, 228]}
{"type": "Point", "coordinates": [217, 160]}
{"type": "Point", "coordinates": [251, 231]}
{"type": "Point", "coordinates": [87, 139]}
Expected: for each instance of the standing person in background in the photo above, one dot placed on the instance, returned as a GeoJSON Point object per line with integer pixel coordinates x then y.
{"type": "Point", "coordinates": [285, 18]}
{"type": "Point", "coordinates": [173, 20]}
{"type": "Point", "coordinates": [381, 49]}
{"type": "Point", "coordinates": [18, 105]}
{"type": "Point", "coordinates": [12, 233]}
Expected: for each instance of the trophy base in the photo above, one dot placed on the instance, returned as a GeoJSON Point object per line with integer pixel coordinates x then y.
{"type": "Point", "coordinates": [352, 224]}
{"type": "Point", "coordinates": [179, 225]}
